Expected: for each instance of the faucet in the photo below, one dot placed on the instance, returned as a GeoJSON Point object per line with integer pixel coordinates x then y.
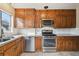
{"type": "Point", "coordinates": [2, 32]}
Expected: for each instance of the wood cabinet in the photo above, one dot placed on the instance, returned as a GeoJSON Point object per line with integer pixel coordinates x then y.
{"type": "Point", "coordinates": [19, 18]}
{"type": "Point", "coordinates": [1, 51]}
{"type": "Point", "coordinates": [19, 23]}
{"type": "Point", "coordinates": [20, 13]}
{"type": "Point", "coordinates": [43, 14]}
{"type": "Point", "coordinates": [20, 46]}
{"type": "Point", "coordinates": [24, 18]}
{"type": "Point", "coordinates": [51, 14]}
{"type": "Point", "coordinates": [13, 48]}
{"type": "Point", "coordinates": [29, 23]}
{"type": "Point", "coordinates": [38, 43]}
{"type": "Point", "coordinates": [67, 43]}
{"type": "Point", "coordinates": [65, 19]}
{"type": "Point", "coordinates": [11, 51]}
{"type": "Point", "coordinates": [38, 19]}
{"type": "Point", "coordinates": [29, 18]}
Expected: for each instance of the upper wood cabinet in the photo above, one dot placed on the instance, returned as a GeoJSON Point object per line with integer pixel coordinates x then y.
{"type": "Point", "coordinates": [29, 18]}
{"type": "Point", "coordinates": [24, 18]}
{"type": "Point", "coordinates": [20, 13]}
{"type": "Point", "coordinates": [37, 19]}
{"type": "Point", "coordinates": [19, 22]}
{"type": "Point", "coordinates": [51, 14]}
{"type": "Point", "coordinates": [19, 18]}
{"type": "Point", "coordinates": [65, 19]}
{"type": "Point", "coordinates": [43, 14]}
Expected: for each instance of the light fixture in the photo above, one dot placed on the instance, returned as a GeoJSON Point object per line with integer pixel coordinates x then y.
{"type": "Point", "coordinates": [45, 7]}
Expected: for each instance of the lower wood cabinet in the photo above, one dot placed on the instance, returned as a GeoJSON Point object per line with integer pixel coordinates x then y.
{"type": "Point", "coordinates": [1, 54]}
{"type": "Point", "coordinates": [13, 48]}
{"type": "Point", "coordinates": [1, 51]}
{"type": "Point", "coordinates": [11, 51]}
{"type": "Point", "coordinates": [38, 43]}
{"type": "Point", "coordinates": [67, 43]}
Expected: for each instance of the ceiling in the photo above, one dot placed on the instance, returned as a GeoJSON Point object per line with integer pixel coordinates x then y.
{"type": "Point", "coordinates": [41, 5]}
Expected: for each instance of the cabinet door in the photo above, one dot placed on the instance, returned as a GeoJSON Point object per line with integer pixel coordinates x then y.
{"type": "Point", "coordinates": [37, 19]}
{"type": "Point", "coordinates": [29, 18]}
{"type": "Point", "coordinates": [38, 43]}
{"type": "Point", "coordinates": [71, 22]}
{"type": "Point", "coordinates": [8, 53]}
{"type": "Point", "coordinates": [19, 18]}
{"type": "Point", "coordinates": [1, 51]}
{"type": "Point", "coordinates": [22, 44]}
{"type": "Point", "coordinates": [51, 14]}
{"type": "Point", "coordinates": [29, 11]}
{"type": "Point", "coordinates": [1, 54]}
{"type": "Point", "coordinates": [60, 21]}
{"type": "Point", "coordinates": [11, 51]}
{"type": "Point", "coordinates": [43, 14]}
{"type": "Point", "coordinates": [19, 23]}
{"type": "Point", "coordinates": [29, 23]}
{"type": "Point", "coordinates": [65, 19]}
{"type": "Point", "coordinates": [20, 13]}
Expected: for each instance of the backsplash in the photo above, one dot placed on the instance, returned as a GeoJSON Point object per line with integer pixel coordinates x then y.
{"type": "Point", "coordinates": [38, 31]}
{"type": "Point", "coordinates": [62, 31]}
{"type": "Point", "coordinates": [67, 31]}
{"type": "Point", "coordinates": [26, 32]}
{"type": "Point", "coordinates": [75, 31]}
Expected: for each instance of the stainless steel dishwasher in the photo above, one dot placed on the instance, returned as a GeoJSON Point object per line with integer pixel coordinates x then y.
{"type": "Point", "coordinates": [30, 44]}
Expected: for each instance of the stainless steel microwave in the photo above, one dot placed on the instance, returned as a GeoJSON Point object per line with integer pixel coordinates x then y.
{"type": "Point", "coordinates": [47, 23]}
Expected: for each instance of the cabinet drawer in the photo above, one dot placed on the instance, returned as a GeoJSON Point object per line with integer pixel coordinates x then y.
{"type": "Point", "coordinates": [8, 45]}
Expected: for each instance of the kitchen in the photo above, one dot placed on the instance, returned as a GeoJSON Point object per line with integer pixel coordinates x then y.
{"type": "Point", "coordinates": [29, 28]}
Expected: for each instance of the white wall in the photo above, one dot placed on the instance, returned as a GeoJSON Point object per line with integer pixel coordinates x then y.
{"type": "Point", "coordinates": [41, 5]}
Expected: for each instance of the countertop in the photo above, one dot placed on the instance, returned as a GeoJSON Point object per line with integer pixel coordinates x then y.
{"type": "Point", "coordinates": [62, 34]}
{"type": "Point", "coordinates": [15, 37]}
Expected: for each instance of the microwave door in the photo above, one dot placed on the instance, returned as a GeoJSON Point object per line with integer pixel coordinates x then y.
{"type": "Point", "coordinates": [47, 23]}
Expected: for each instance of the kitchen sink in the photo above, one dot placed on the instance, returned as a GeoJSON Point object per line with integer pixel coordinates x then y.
{"type": "Point", "coordinates": [5, 39]}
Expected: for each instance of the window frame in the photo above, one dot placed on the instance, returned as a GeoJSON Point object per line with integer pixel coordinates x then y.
{"type": "Point", "coordinates": [11, 19]}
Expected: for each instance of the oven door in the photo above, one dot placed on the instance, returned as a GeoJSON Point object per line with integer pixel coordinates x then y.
{"type": "Point", "coordinates": [49, 43]}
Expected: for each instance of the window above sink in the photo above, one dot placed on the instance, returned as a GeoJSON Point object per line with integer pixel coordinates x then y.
{"type": "Point", "coordinates": [5, 22]}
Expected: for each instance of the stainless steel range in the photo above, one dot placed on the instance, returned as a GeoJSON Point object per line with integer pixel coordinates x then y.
{"type": "Point", "coordinates": [49, 42]}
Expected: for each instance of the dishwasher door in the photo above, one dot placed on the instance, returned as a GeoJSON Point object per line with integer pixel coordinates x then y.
{"type": "Point", "coordinates": [30, 44]}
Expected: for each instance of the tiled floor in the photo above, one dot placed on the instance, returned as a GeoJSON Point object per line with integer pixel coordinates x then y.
{"type": "Point", "coordinates": [51, 54]}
